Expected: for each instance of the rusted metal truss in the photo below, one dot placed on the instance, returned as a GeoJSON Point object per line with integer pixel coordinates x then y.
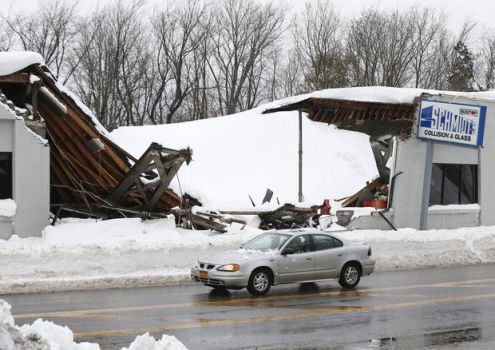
{"type": "Point", "coordinates": [372, 118]}
{"type": "Point", "coordinates": [89, 172]}
{"type": "Point", "coordinates": [151, 175]}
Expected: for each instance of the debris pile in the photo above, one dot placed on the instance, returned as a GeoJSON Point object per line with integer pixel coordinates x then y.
{"type": "Point", "coordinates": [90, 175]}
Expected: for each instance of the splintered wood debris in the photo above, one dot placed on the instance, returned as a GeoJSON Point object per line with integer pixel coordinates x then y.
{"type": "Point", "coordinates": [90, 174]}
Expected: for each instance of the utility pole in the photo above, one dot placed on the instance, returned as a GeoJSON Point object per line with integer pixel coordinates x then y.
{"type": "Point", "coordinates": [301, 196]}
{"type": "Point", "coordinates": [425, 198]}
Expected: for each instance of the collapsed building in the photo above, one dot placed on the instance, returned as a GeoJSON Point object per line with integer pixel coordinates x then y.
{"type": "Point", "coordinates": [434, 152]}
{"type": "Point", "coordinates": [55, 156]}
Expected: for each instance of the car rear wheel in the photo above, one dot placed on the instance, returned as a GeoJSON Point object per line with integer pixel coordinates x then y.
{"type": "Point", "coordinates": [260, 282]}
{"type": "Point", "coordinates": [350, 276]}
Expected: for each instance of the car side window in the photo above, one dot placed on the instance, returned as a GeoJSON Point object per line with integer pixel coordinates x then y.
{"type": "Point", "coordinates": [337, 243]}
{"type": "Point", "coordinates": [300, 244]}
{"type": "Point", "coordinates": [323, 242]}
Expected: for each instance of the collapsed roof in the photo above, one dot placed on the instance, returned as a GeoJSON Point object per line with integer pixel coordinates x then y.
{"type": "Point", "coordinates": [89, 172]}
{"type": "Point", "coordinates": [376, 111]}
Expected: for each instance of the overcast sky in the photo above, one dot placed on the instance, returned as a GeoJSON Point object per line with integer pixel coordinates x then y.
{"type": "Point", "coordinates": [481, 11]}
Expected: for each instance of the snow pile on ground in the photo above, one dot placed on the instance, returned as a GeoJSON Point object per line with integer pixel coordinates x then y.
{"type": "Point", "coordinates": [79, 254]}
{"type": "Point", "coordinates": [146, 341]}
{"type": "Point", "coordinates": [244, 154]}
{"type": "Point", "coordinates": [46, 335]}
{"type": "Point", "coordinates": [7, 207]}
{"type": "Point", "coordinates": [88, 254]}
{"type": "Point", "coordinates": [14, 61]}
{"type": "Point", "coordinates": [410, 249]}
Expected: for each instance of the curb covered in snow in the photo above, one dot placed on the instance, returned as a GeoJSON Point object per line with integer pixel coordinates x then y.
{"type": "Point", "coordinates": [88, 254]}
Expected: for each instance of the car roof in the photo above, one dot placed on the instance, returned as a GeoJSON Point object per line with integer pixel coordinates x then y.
{"type": "Point", "coordinates": [306, 231]}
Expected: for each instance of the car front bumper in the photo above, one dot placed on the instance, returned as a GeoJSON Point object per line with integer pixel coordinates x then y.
{"type": "Point", "coordinates": [220, 279]}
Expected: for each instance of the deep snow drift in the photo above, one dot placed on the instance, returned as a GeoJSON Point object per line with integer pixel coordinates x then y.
{"type": "Point", "coordinates": [46, 335]}
{"type": "Point", "coordinates": [244, 154]}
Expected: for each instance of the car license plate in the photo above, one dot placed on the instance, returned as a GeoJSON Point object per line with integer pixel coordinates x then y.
{"type": "Point", "coordinates": [203, 275]}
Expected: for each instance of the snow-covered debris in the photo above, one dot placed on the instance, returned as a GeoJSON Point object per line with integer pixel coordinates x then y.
{"type": "Point", "coordinates": [46, 335]}
{"type": "Point", "coordinates": [7, 207]}
{"type": "Point", "coordinates": [14, 61]}
{"type": "Point", "coordinates": [244, 154]}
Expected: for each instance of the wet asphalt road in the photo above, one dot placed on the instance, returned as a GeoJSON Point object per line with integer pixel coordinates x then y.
{"type": "Point", "coordinates": [440, 308]}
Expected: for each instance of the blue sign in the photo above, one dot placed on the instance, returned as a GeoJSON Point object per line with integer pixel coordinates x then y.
{"type": "Point", "coordinates": [452, 122]}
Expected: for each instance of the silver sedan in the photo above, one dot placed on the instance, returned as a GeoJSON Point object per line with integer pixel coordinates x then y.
{"type": "Point", "coordinates": [279, 257]}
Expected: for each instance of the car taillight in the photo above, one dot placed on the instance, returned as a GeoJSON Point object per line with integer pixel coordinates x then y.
{"type": "Point", "coordinates": [369, 251]}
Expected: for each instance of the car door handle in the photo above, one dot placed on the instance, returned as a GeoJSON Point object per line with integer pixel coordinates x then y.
{"type": "Point", "coordinates": [340, 254]}
{"type": "Point", "coordinates": [309, 258]}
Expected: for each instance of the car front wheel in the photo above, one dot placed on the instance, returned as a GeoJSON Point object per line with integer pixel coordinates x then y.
{"type": "Point", "coordinates": [259, 282]}
{"type": "Point", "coordinates": [350, 276]}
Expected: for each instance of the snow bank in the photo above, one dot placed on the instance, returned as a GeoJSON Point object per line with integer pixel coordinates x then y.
{"type": "Point", "coordinates": [244, 154]}
{"type": "Point", "coordinates": [5, 315]}
{"type": "Point", "coordinates": [85, 254]}
{"type": "Point", "coordinates": [14, 61]}
{"type": "Point", "coordinates": [411, 249]}
{"type": "Point", "coordinates": [46, 335]}
{"type": "Point", "coordinates": [89, 254]}
{"type": "Point", "coordinates": [146, 341]}
{"type": "Point", "coordinates": [7, 207]}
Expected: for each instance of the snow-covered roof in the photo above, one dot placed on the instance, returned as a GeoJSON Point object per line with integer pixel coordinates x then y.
{"type": "Point", "coordinates": [377, 94]}
{"type": "Point", "coordinates": [14, 61]}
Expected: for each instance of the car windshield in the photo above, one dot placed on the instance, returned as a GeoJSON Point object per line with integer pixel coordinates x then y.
{"type": "Point", "coordinates": [266, 242]}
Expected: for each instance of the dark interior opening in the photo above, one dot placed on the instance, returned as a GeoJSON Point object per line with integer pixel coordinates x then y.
{"type": "Point", "coordinates": [5, 175]}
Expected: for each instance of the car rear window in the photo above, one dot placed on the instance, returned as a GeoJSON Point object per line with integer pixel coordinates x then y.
{"type": "Point", "coordinates": [323, 242]}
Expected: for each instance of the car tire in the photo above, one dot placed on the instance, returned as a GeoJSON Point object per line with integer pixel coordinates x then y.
{"type": "Point", "coordinates": [350, 275]}
{"type": "Point", "coordinates": [260, 282]}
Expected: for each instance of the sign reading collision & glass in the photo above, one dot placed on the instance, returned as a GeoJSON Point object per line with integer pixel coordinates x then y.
{"type": "Point", "coordinates": [452, 122]}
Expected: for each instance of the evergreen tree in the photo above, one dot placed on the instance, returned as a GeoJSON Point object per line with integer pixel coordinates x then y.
{"type": "Point", "coordinates": [462, 70]}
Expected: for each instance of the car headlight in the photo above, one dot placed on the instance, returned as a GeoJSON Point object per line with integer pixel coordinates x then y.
{"type": "Point", "coordinates": [229, 268]}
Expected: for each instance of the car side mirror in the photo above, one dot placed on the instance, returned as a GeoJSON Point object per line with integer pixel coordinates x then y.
{"type": "Point", "coordinates": [288, 251]}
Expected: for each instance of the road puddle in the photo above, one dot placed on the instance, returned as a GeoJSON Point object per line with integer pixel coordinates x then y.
{"type": "Point", "coordinates": [424, 340]}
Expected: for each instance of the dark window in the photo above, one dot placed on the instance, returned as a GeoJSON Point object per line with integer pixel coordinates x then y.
{"type": "Point", "coordinates": [5, 175]}
{"type": "Point", "coordinates": [300, 244]}
{"type": "Point", "coordinates": [454, 184]}
{"type": "Point", "coordinates": [322, 242]}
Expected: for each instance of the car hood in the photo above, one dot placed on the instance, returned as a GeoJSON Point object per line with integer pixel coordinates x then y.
{"type": "Point", "coordinates": [236, 256]}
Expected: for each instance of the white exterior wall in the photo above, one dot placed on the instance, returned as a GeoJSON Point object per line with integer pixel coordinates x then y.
{"type": "Point", "coordinates": [31, 177]}
{"type": "Point", "coordinates": [411, 157]}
